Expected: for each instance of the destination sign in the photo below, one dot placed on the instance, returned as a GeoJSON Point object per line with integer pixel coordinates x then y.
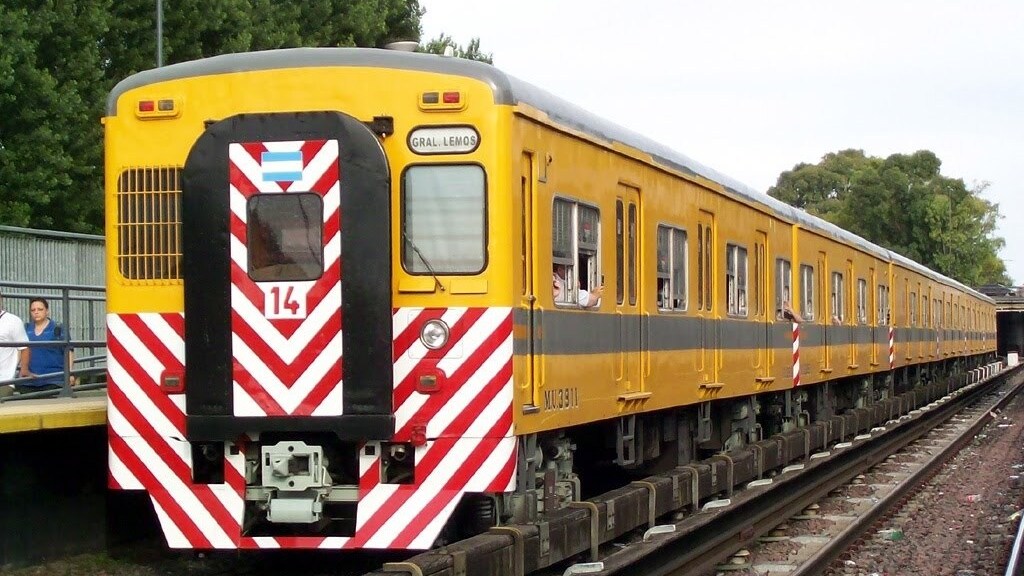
{"type": "Point", "coordinates": [444, 140]}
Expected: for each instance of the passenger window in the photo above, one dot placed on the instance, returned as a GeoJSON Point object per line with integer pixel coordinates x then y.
{"type": "Point", "coordinates": [837, 301]}
{"type": "Point", "coordinates": [807, 291]}
{"type": "Point", "coordinates": [913, 309]}
{"type": "Point", "coordinates": [862, 301]}
{"type": "Point", "coordinates": [620, 253]}
{"type": "Point", "coordinates": [783, 287]}
{"type": "Point", "coordinates": [671, 269]}
{"type": "Point", "coordinates": [736, 280]}
{"type": "Point", "coordinates": [700, 267]}
{"type": "Point", "coordinates": [575, 254]}
{"type": "Point", "coordinates": [883, 305]}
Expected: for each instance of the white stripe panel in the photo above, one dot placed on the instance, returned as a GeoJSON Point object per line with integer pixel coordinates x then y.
{"type": "Point", "coordinates": [251, 169]}
{"type": "Point", "coordinates": [332, 200]}
{"type": "Point", "coordinates": [243, 404]}
{"type": "Point", "coordinates": [140, 403]}
{"type": "Point", "coordinates": [411, 357]}
{"type": "Point", "coordinates": [170, 338]}
{"type": "Point", "coordinates": [135, 347]}
{"type": "Point", "coordinates": [334, 543]}
{"type": "Point", "coordinates": [472, 388]}
{"type": "Point", "coordinates": [266, 542]}
{"type": "Point", "coordinates": [289, 399]}
{"type": "Point", "coordinates": [425, 539]}
{"type": "Point", "coordinates": [181, 493]}
{"type": "Point", "coordinates": [484, 327]}
{"type": "Point", "coordinates": [369, 505]}
{"type": "Point", "coordinates": [333, 404]}
{"type": "Point", "coordinates": [500, 405]}
{"type": "Point", "coordinates": [287, 348]}
{"type": "Point", "coordinates": [493, 466]}
{"type": "Point", "coordinates": [232, 501]}
{"type": "Point", "coordinates": [175, 539]}
{"type": "Point", "coordinates": [238, 204]}
{"type": "Point", "coordinates": [425, 492]}
{"type": "Point", "coordinates": [314, 170]}
{"type": "Point", "coordinates": [122, 475]}
{"type": "Point", "coordinates": [483, 477]}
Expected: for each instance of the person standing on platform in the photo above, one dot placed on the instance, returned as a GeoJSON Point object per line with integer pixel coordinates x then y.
{"type": "Point", "coordinates": [45, 359]}
{"type": "Point", "coordinates": [13, 360]}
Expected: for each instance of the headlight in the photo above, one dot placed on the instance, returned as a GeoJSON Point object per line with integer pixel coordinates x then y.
{"type": "Point", "coordinates": [434, 334]}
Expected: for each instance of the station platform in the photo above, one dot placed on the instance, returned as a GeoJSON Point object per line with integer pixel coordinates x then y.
{"type": "Point", "coordinates": [85, 409]}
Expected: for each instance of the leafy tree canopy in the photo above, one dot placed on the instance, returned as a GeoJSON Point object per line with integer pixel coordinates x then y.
{"type": "Point", "coordinates": [905, 204]}
{"type": "Point", "coordinates": [471, 52]}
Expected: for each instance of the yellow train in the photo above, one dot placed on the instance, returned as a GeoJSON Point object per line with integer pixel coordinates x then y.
{"type": "Point", "coordinates": [355, 294]}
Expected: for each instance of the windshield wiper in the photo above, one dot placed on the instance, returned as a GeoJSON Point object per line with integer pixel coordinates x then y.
{"type": "Point", "coordinates": [423, 259]}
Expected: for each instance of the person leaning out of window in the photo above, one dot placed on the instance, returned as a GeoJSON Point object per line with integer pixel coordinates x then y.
{"type": "Point", "coordinates": [587, 298]}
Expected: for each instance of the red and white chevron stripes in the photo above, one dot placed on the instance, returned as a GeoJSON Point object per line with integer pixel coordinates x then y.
{"type": "Point", "coordinates": [796, 354]}
{"type": "Point", "coordinates": [470, 446]}
{"type": "Point", "coordinates": [287, 359]}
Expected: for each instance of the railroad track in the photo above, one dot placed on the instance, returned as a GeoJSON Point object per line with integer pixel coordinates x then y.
{"type": "Point", "coordinates": [693, 518]}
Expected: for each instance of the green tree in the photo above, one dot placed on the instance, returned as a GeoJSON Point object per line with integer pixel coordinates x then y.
{"type": "Point", "coordinates": [59, 60]}
{"type": "Point", "coordinates": [903, 203]}
{"type": "Point", "coordinates": [471, 52]}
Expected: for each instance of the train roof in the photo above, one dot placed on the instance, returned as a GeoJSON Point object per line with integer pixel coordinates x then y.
{"type": "Point", "coordinates": [511, 90]}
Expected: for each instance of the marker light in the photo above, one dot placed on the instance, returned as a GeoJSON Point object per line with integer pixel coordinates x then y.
{"type": "Point", "coordinates": [434, 334]}
{"type": "Point", "coordinates": [451, 97]}
{"type": "Point", "coordinates": [147, 105]}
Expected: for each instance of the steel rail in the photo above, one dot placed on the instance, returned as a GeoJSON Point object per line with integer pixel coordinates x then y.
{"type": "Point", "coordinates": [827, 554]}
{"type": "Point", "coordinates": [695, 552]}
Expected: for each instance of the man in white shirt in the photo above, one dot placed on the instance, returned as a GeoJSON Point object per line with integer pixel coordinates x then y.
{"type": "Point", "coordinates": [13, 360]}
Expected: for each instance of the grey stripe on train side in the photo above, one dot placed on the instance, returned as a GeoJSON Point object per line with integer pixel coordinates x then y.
{"type": "Point", "coordinates": [563, 332]}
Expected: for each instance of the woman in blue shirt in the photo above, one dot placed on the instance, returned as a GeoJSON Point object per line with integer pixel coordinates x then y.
{"type": "Point", "coordinates": [44, 359]}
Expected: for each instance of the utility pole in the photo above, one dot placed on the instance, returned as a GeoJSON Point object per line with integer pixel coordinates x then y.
{"type": "Point", "coordinates": [159, 33]}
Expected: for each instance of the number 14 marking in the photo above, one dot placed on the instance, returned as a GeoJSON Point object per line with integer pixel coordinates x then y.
{"type": "Point", "coordinates": [282, 300]}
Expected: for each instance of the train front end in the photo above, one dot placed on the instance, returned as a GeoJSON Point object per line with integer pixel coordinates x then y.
{"type": "Point", "coordinates": [289, 364]}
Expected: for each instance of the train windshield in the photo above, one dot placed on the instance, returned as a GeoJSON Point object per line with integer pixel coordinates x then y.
{"type": "Point", "coordinates": [443, 217]}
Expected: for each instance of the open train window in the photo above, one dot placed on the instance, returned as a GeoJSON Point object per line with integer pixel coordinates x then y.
{"type": "Point", "coordinates": [575, 253]}
{"type": "Point", "coordinates": [736, 279]}
{"type": "Point", "coordinates": [671, 268]}
{"type": "Point", "coordinates": [807, 291]}
{"type": "Point", "coordinates": [285, 233]}
{"type": "Point", "coordinates": [783, 286]}
{"type": "Point", "coordinates": [838, 298]}
{"type": "Point", "coordinates": [444, 227]}
{"type": "Point", "coordinates": [883, 305]}
{"type": "Point", "coordinates": [862, 301]}
{"type": "Point", "coordinates": [913, 309]}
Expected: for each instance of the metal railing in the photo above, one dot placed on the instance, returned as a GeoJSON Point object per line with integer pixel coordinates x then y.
{"type": "Point", "coordinates": [89, 361]}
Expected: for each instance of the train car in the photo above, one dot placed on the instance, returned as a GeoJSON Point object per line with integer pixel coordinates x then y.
{"type": "Point", "coordinates": [361, 298]}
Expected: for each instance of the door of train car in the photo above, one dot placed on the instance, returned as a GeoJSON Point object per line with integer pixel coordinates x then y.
{"type": "Point", "coordinates": [824, 313]}
{"type": "Point", "coordinates": [629, 380]}
{"type": "Point", "coordinates": [707, 358]}
{"type": "Point", "coordinates": [286, 245]}
{"type": "Point", "coordinates": [851, 313]}
{"type": "Point", "coordinates": [759, 307]}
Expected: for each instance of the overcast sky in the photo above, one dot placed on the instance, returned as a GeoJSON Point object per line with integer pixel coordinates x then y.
{"type": "Point", "coordinates": [753, 87]}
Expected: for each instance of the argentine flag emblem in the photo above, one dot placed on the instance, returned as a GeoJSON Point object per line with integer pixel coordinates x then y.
{"type": "Point", "coordinates": [281, 166]}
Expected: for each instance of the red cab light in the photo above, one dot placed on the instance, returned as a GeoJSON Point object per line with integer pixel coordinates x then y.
{"type": "Point", "coordinates": [147, 105]}
{"type": "Point", "coordinates": [450, 97]}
